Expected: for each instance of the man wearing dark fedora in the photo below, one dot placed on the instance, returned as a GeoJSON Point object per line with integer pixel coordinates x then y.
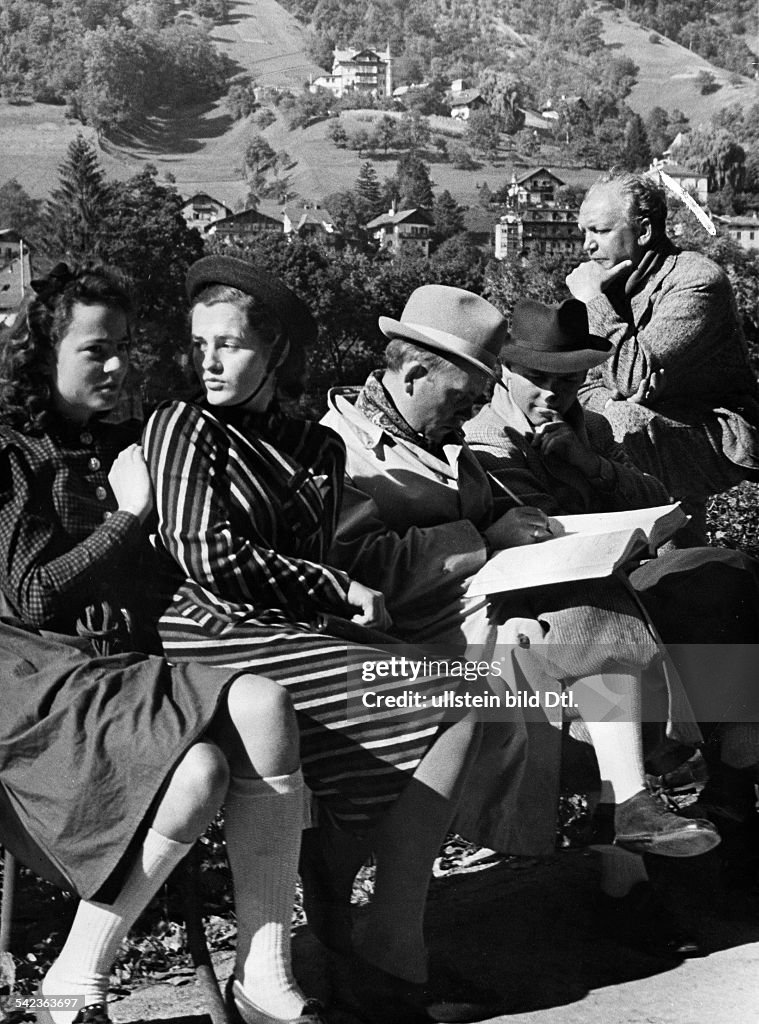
{"type": "Point", "coordinates": [534, 436]}
{"type": "Point", "coordinates": [542, 448]}
{"type": "Point", "coordinates": [418, 521]}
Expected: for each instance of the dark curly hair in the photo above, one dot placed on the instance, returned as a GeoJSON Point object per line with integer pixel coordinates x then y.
{"type": "Point", "coordinates": [25, 354]}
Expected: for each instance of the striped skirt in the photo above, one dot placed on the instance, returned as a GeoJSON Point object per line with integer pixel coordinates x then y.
{"type": "Point", "coordinates": [357, 752]}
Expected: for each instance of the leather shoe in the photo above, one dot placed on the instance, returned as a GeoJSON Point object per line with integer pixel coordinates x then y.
{"type": "Point", "coordinates": [244, 1011]}
{"type": "Point", "coordinates": [644, 825]}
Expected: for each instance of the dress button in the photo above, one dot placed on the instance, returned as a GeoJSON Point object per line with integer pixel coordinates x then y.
{"type": "Point", "coordinates": [94, 464]}
{"type": "Point", "coordinates": [86, 437]}
{"type": "Point", "coordinates": [101, 493]}
{"type": "Point", "coordinates": [107, 516]}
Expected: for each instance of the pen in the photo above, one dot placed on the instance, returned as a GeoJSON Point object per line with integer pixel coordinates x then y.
{"type": "Point", "coordinates": [508, 490]}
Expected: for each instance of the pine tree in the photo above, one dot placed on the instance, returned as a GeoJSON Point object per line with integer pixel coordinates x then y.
{"type": "Point", "coordinates": [637, 151]}
{"type": "Point", "coordinates": [448, 216]}
{"type": "Point", "coordinates": [413, 182]}
{"type": "Point", "coordinates": [368, 191]}
{"type": "Point", "coordinates": [73, 212]}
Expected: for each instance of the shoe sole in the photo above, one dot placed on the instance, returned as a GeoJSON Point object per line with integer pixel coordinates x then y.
{"type": "Point", "coordinates": [687, 843]}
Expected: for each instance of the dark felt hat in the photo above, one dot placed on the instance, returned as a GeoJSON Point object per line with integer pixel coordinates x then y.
{"type": "Point", "coordinates": [453, 322]}
{"type": "Point", "coordinates": [293, 313]}
{"type": "Point", "coordinates": [554, 338]}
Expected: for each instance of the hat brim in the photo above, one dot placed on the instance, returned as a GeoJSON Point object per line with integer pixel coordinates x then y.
{"type": "Point", "coordinates": [438, 341]}
{"type": "Point", "coordinates": [228, 270]}
{"type": "Point", "coordinates": [557, 362]}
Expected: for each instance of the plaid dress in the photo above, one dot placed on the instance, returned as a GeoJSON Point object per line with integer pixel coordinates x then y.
{"type": "Point", "coordinates": [247, 508]}
{"type": "Point", "coordinates": [86, 743]}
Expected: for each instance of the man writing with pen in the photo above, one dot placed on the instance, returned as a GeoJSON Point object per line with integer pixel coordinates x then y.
{"type": "Point", "coordinates": [418, 521]}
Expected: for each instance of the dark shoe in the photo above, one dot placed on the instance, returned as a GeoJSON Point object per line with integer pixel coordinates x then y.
{"type": "Point", "coordinates": [93, 1013]}
{"type": "Point", "coordinates": [729, 795]}
{"type": "Point", "coordinates": [242, 1010]}
{"type": "Point", "coordinates": [644, 825]}
{"type": "Point", "coordinates": [380, 997]}
{"type": "Point", "coordinates": [642, 921]}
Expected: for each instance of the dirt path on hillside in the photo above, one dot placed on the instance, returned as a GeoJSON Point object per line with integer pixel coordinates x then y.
{"type": "Point", "coordinates": [535, 936]}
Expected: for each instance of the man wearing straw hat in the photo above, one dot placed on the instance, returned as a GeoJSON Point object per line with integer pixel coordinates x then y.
{"type": "Point", "coordinates": [678, 389]}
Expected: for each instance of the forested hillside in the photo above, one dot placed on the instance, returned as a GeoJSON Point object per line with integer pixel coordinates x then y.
{"type": "Point", "coordinates": [109, 61]}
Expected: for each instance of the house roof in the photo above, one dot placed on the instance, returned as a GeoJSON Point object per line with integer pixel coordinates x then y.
{"type": "Point", "coordinates": [415, 212]}
{"type": "Point", "coordinates": [538, 170]}
{"type": "Point", "coordinates": [532, 119]}
{"type": "Point", "coordinates": [203, 197]}
{"type": "Point", "coordinates": [678, 171]}
{"type": "Point", "coordinates": [349, 55]}
{"type": "Point", "coordinates": [11, 235]}
{"type": "Point", "coordinates": [465, 97]}
{"type": "Point", "coordinates": [738, 222]}
{"type": "Point", "coordinates": [244, 217]}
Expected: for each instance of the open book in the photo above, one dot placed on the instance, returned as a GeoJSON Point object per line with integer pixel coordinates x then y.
{"type": "Point", "coordinates": [582, 547]}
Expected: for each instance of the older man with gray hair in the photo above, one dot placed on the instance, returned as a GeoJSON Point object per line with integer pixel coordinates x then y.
{"type": "Point", "coordinates": [678, 389]}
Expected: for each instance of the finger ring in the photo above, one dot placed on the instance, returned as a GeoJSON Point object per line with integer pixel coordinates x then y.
{"type": "Point", "coordinates": [536, 532]}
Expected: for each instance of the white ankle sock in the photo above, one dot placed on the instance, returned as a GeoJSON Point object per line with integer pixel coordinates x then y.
{"type": "Point", "coordinates": [263, 821]}
{"type": "Point", "coordinates": [84, 966]}
{"type": "Point", "coordinates": [618, 743]}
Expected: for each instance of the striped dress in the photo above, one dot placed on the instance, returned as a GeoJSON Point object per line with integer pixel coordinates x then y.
{"type": "Point", "coordinates": [247, 506]}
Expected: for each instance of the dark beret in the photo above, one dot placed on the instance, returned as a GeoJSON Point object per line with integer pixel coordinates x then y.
{"type": "Point", "coordinates": [300, 325]}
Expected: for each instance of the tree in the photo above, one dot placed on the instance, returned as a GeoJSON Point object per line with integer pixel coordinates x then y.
{"type": "Point", "coordinates": [658, 130]}
{"type": "Point", "coordinates": [18, 210]}
{"type": "Point", "coordinates": [483, 133]}
{"type": "Point", "coordinates": [413, 184]}
{"type": "Point", "coordinates": [337, 134]}
{"type": "Point", "coordinates": [344, 210]}
{"type": "Point", "coordinates": [706, 82]}
{"type": "Point", "coordinates": [258, 155]}
{"type": "Point", "coordinates": [368, 192]}
{"type": "Point", "coordinates": [636, 153]}
{"type": "Point", "coordinates": [142, 231]}
{"type": "Point", "coordinates": [240, 100]}
{"type": "Point", "coordinates": [386, 131]}
{"type": "Point", "coordinates": [460, 155]}
{"type": "Point", "coordinates": [73, 213]}
{"type": "Point", "coordinates": [448, 216]}
{"type": "Point", "coordinates": [413, 132]}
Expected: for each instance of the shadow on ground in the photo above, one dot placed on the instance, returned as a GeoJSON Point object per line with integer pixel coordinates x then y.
{"type": "Point", "coordinates": [533, 935]}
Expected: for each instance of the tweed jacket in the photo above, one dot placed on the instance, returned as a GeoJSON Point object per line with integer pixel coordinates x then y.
{"type": "Point", "coordinates": [682, 319]}
{"type": "Point", "coordinates": [410, 522]}
{"type": "Point", "coordinates": [500, 436]}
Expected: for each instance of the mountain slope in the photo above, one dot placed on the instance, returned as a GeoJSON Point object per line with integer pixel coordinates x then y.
{"type": "Point", "coordinates": [203, 149]}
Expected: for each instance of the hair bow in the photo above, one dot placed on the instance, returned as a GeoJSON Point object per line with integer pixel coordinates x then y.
{"type": "Point", "coordinates": [50, 287]}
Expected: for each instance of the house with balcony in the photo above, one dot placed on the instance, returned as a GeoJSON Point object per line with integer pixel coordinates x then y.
{"type": "Point", "coordinates": [402, 230]}
{"type": "Point", "coordinates": [201, 210]}
{"type": "Point", "coordinates": [311, 221]}
{"type": "Point", "coordinates": [366, 70]}
{"type": "Point", "coordinates": [243, 226]}
{"type": "Point", "coordinates": [535, 220]}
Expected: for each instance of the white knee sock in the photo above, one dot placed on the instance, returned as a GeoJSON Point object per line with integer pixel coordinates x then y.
{"type": "Point", "coordinates": [263, 821]}
{"type": "Point", "coordinates": [618, 743]}
{"type": "Point", "coordinates": [84, 966]}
